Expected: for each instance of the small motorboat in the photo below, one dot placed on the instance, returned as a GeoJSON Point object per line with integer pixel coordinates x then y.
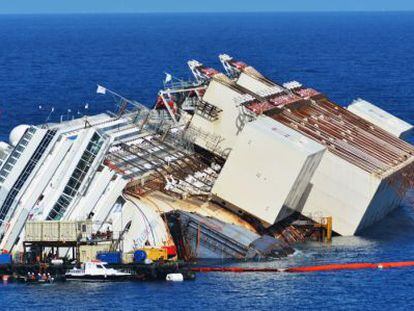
{"type": "Point", "coordinates": [96, 271]}
{"type": "Point", "coordinates": [33, 278]}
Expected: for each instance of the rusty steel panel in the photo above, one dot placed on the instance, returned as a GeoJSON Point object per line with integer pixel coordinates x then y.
{"type": "Point", "coordinates": [260, 107]}
{"type": "Point", "coordinates": [307, 92]}
{"type": "Point", "coordinates": [347, 135]}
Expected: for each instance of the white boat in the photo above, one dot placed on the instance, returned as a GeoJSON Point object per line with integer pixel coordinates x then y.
{"type": "Point", "coordinates": [96, 271]}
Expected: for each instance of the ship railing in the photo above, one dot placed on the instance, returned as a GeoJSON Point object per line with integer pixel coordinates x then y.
{"type": "Point", "coordinates": [180, 84]}
{"type": "Point", "coordinates": [207, 111]}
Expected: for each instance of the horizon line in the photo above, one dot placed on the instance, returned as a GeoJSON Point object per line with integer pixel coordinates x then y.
{"type": "Point", "coordinates": [205, 12]}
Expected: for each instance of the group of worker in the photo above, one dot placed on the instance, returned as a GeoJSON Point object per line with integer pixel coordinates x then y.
{"type": "Point", "coordinates": [44, 278]}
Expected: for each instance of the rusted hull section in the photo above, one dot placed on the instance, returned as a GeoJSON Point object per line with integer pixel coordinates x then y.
{"type": "Point", "coordinates": [199, 237]}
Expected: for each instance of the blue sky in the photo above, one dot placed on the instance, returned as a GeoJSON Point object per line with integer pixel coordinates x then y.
{"type": "Point", "coordinates": [108, 6]}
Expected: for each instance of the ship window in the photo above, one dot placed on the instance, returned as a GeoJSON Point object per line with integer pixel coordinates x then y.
{"type": "Point", "coordinates": [77, 177]}
{"type": "Point", "coordinates": [13, 161]}
{"type": "Point", "coordinates": [20, 148]}
{"type": "Point", "coordinates": [28, 169]}
{"type": "Point", "coordinates": [82, 165]}
{"type": "Point", "coordinates": [99, 266]}
{"type": "Point", "coordinates": [69, 191]}
{"type": "Point", "coordinates": [8, 167]}
{"type": "Point", "coordinates": [71, 183]}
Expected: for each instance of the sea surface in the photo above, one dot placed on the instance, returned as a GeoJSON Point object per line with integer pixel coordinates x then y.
{"type": "Point", "coordinates": [55, 61]}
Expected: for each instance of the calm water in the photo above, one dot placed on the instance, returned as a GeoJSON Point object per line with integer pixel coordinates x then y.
{"type": "Point", "coordinates": [56, 61]}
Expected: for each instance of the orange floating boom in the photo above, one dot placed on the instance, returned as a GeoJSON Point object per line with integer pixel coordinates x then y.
{"type": "Point", "coordinates": [321, 268]}
{"type": "Point", "coordinates": [334, 267]}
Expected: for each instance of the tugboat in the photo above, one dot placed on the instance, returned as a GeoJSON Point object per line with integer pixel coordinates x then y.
{"type": "Point", "coordinates": [96, 271]}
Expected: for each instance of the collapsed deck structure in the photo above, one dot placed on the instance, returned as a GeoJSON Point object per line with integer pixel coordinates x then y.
{"type": "Point", "coordinates": [231, 156]}
{"type": "Point", "coordinates": [366, 170]}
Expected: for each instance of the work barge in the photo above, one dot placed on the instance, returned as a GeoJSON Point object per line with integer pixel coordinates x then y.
{"type": "Point", "coordinates": [229, 165]}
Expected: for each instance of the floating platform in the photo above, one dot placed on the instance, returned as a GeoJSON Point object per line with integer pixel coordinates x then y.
{"type": "Point", "coordinates": [157, 271]}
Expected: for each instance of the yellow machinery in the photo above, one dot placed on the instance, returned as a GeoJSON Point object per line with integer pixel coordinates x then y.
{"type": "Point", "coordinates": [326, 228]}
{"type": "Point", "coordinates": [156, 253]}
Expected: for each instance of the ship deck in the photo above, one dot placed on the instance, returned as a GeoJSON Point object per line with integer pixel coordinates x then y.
{"type": "Point", "coordinates": [348, 136]}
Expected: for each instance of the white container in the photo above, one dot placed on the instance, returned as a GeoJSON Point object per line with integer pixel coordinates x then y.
{"type": "Point", "coordinates": [33, 231]}
{"type": "Point", "coordinates": [175, 277]}
{"type": "Point", "coordinates": [50, 231]}
{"type": "Point", "coordinates": [68, 231]}
{"type": "Point", "coordinates": [89, 252]}
{"type": "Point", "coordinates": [57, 262]}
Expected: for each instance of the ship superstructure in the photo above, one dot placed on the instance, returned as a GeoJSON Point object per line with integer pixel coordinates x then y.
{"type": "Point", "coordinates": [226, 154]}
{"type": "Point", "coordinates": [365, 171]}
{"type": "Point", "coordinates": [65, 175]}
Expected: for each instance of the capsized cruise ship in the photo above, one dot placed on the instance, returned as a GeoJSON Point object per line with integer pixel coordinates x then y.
{"type": "Point", "coordinates": [224, 166]}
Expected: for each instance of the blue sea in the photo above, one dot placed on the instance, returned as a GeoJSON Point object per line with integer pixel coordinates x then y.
{"type": "Point", "coordinates": [56, 61]}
